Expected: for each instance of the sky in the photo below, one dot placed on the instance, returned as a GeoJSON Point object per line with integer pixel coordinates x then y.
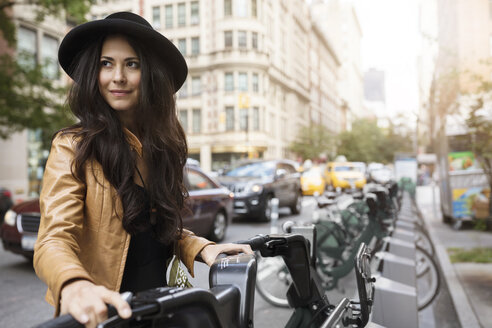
{"type": "Point", "coordinates": [390, 43]}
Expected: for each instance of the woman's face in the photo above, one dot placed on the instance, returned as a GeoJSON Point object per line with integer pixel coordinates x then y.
{"type": "Point", "coordinates": [119, 74]}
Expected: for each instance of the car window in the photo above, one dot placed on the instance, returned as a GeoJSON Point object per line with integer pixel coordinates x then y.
{"type": "Point", "coordinates": [346, 168]}
{"type": "Point", "coordinates": [197, 181]}
{"type": "Point", "coordinates": [259, 169]}
{"type": "Point", "coordinates": [287, 167]}
{"type": "Point", "coordinates": [312, 173]}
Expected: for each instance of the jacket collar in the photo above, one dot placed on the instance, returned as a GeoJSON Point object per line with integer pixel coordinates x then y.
{"type": "Point", "coordinates": [132, 139]}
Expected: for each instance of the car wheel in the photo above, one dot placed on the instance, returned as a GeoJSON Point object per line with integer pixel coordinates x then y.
{"type": "Point", "coordinates": [296, 207]}
{"type": "Point", "coordinates": [267, 210]}
{"type": "Point", "coordinates": [219, 227]}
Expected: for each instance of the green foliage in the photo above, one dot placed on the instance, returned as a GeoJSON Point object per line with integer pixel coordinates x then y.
{"type": "Point", "coordinates": [75, 10]}
{"type": "Point", "coordinates": [367, 142]}
{"type": "Point", "coordinates": [313, 141]}
{"type": "Point", "coordinates": [28, 98]}
{"type": "Point", "coordinates": [480, 127]}
{"type": "Point", "coordinates": [478, 255]}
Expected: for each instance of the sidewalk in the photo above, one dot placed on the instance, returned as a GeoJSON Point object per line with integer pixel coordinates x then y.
{"type": "Point", "coordinates": [469, 284]}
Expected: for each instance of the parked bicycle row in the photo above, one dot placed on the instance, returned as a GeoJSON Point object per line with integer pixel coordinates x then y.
{"type": "Point", "coordinates": [306, 260]}
{"type": "Point", "coordinates": [384, 217]}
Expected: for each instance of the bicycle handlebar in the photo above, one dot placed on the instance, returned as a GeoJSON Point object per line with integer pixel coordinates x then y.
{"type": "Point", "coordinates": [256, 243]}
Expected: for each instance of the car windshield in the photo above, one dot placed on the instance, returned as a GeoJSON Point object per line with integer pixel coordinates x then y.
{"type": "Point", "coordinates": [312, 173]}
{"type": "Point", "coordinates": [260, 169]}
{"type": "Point", "coordinates": [346, 168]}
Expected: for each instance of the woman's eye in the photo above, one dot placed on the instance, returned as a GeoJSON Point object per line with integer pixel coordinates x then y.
{"type": "Point", "coordinates": [105, 63]}
{"type": "Point", "coordinates": [133, 64]}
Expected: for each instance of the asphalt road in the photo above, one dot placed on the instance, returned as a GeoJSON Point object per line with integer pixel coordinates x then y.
{"type": "Point", "coordinates": [22, 301]}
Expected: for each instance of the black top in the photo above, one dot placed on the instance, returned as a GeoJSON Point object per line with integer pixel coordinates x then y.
{"type": "Point", "coordinates": [145, 266]}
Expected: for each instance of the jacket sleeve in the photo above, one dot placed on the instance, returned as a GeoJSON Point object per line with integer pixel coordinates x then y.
{"type": "Point", "coordinates": [189, 246]}
{"type": "Point", "coordinates": [62, 217]}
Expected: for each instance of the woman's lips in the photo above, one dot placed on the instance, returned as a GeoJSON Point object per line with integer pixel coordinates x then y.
{"type": "Point", "coordinates": [119, 93]}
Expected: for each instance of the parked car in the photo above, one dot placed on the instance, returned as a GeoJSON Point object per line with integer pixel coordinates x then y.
{"type": "Point", "coordinates": [5, 202]}
{"type": "Point", "coordinates": [211, 205]}
{"type": "Point", "coordinates": [313, 181]}
{"type": "Point", "coordinates": [256, 183]}
{"type": "Point", "coordinates": [344, 175]}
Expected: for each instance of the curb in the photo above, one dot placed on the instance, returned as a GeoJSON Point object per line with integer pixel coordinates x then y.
{"type": "Point", "coordinates": [464, 310]}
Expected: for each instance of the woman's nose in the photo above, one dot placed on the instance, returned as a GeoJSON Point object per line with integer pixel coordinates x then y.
{"type": "Point", "coordinates": [119, 75]}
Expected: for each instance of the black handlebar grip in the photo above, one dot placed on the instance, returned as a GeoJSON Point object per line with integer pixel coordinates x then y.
{"type": "Point", "coordinates": [63, 321]}
{"type": "Point", "coordinates": [256, 242]}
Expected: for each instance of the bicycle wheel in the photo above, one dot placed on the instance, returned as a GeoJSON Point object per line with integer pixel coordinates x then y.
{"type": "Point", "coordinates": [423, 240]}
{"type": "Point", "coordinates": [428, 278]}
{"type": "Point", "coordinates": [272, 280]}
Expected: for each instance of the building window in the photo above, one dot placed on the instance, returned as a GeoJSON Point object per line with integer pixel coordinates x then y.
{"type": "Point", "coordinates": [254, 9]}
{"type": "Point", "coordinates": [156, 17]}
{"type": "Point", "coordinates": [243, 119]}
{"type": "Point", "coordinates": [169, 16]}
{"type": "Point", "coordinates": [241, 39]}
{"type": "Point", "coordinates": [256, 119]}
{"type": "Point", "coordinates": [181, 14]}
{"type": "Point", "coordinates": [255, 83]}
{"type": "Point", "coordinates": [197, 120]}
{"type": "Point", "coordinates": [227, 39]}
{"type": "Point", "coordinates": [195, 46]}
{"type": "Point", "coordinates": [183, 92]}
{"type": "Point", "coordinates": [254, 40]}
{"type": "Point", "coordinates": [229, 82]}
{"type": "Point", "coordinates": [49, 53]}
{"type": "Point", "coordinates": [182, 46]}
{"type": "Point", "coordinates": [195, 13]}
{"type": "Point", "coordinates": [196, 86]}
{"type": "Point", "coordinates": [243, 82]}
{"type": "Point", "coordinates": [227, 8]}
{"type": "Point", "coordinates": [241, 8]}
{"type": "Point", "coordinates": [229, 118]}
{"type": "Point", "coordinates": [26, 46]}
{"type": "Point", "coordinates": [183, 118]}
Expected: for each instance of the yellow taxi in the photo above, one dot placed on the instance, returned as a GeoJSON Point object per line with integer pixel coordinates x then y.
{"type": "Point", "coordinates": [312, 181]}
{"type": "Point", "coordinates": [344, 175]}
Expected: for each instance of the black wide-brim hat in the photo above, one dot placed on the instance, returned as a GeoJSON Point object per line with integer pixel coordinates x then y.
{"type": "Point", "coordinates": [125, 23]}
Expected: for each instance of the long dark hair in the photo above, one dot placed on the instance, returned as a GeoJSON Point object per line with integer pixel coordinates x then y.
{"type": "Point", "coordinates": [101, 137]}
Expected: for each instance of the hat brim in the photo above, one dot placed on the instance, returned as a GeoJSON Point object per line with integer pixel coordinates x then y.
{"type": "Point", "coordinates": [80, 36]}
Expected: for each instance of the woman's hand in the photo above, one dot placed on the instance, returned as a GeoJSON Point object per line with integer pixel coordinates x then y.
{"type": "Point", "coordinates": [87, 303]}
{"type": "Point", "coordinates": [210, 252]}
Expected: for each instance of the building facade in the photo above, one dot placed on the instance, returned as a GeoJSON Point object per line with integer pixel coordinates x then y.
{"type": "Point", "coordinates": [339, 22]}
{"type": "Point", "coordinates": [258, 71]}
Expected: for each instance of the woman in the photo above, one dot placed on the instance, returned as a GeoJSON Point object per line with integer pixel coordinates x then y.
{"type": "Point", "coordinates": [113, 192]}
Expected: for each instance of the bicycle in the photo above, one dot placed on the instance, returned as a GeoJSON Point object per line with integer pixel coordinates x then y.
{"type": "Point", "coordinates": [335, 246]}
{"type": "Point", "coordinates": [334, 250]}
{"type": "Point", "coordinates": [229, 301]}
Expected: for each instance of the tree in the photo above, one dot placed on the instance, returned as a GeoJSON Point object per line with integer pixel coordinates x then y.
{"type": "Point", "coordinates": [367, 142]}
{"type": "Point", "coordinates": [313, 141]}
{"type": "Point", "coordinates": [479, 123]}
{"type": "Point", "coordinates": [28, 97]}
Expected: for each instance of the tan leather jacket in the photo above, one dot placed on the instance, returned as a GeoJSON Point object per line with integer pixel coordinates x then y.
{"type": "Point", "coordinates": [81, 235]}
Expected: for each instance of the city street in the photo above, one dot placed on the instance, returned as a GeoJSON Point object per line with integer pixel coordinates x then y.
{"type": "Point", "coordinates": [22, 301]}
